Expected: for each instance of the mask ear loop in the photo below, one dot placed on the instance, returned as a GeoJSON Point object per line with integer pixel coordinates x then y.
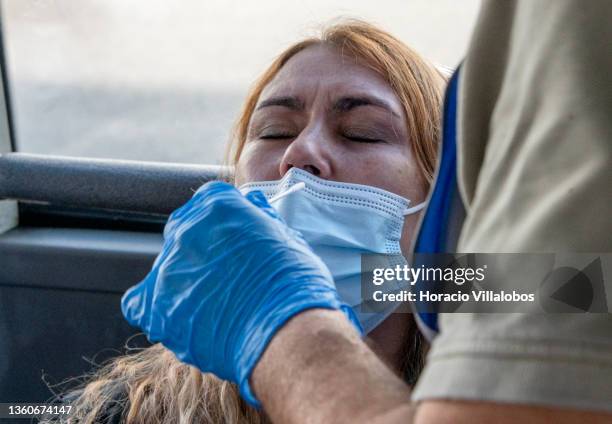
{"type": "Point", "coordinates": [414, 209]}
{"type": "Point", "coordinates": [296, 187]}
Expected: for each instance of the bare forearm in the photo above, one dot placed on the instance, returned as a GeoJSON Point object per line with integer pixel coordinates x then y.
{"type": "Point", "coordinates": [317, 369]}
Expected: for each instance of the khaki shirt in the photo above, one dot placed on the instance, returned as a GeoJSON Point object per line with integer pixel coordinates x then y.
{"type": "Point", "coordinates": [535, 175]}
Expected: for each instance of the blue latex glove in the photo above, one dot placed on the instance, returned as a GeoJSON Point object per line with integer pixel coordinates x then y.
{"type": "Point", "coordinates": [230, 274]}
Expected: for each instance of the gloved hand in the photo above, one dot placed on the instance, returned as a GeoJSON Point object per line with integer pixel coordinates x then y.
{"type": "Point", "coordinates": [230, 274]}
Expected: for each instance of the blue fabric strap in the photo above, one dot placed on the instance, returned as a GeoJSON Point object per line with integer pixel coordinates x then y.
{"type": "Point", "coordinates": [433, 234]}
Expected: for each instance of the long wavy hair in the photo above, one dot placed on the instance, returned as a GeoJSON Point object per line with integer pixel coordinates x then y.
{"type": "Point", "coordinates": [151, 386]}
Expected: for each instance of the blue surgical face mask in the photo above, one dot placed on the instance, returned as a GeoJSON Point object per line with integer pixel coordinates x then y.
{"type": "Point", "coordinates": [342, 221]}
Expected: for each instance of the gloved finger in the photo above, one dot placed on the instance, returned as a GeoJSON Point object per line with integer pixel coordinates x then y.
{"type": "Point", "coordinates": [209, 194]}
{"type": "Point", "coordinates": [213, 188]}
{"type": "Point", "coordinates": [134, 304]}
{"type": "Point", "coordinates": [257, 198]}
{"type": "Point", "coordinates": [206, 191]}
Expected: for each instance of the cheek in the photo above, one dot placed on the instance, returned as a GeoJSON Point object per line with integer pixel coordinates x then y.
{"type": "Point", "coordinates": [411, 184]}
{"type": "Point", "coordinates": [258, 162]}
{"type": "Point", "coordinates": [392, 168]}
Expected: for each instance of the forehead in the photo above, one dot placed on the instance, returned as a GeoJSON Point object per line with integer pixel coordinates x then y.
{"type": "Point", "coordinates": [322, 69]}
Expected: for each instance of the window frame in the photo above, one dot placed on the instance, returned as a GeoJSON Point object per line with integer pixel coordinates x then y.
{"type": "Point", "coordinates": [45, 190]}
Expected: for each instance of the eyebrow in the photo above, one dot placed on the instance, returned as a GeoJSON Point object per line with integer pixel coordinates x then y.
{"type": "Point", "coordinates": [345, 104]}
{"type": "Point", "coordinates": [290, 102]}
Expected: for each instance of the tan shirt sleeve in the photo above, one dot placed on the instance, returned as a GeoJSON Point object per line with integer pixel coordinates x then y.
{"type": "Point", "coordinates": [535, 174]}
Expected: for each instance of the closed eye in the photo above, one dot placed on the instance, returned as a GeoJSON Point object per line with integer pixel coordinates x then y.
{"type": "Point", "coordinates": [365, 140]}
{"type": "Point", "coordinates": [362, 138]}
{"type": "Point", "coordinates": [276, 136]}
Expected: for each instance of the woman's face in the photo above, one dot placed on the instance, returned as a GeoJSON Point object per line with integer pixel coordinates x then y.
{"type": "Point", "coordinates": [337, 119]}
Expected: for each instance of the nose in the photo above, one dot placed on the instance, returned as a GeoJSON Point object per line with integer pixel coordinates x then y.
{"type": "Point", "coordinates": [309, 151]}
